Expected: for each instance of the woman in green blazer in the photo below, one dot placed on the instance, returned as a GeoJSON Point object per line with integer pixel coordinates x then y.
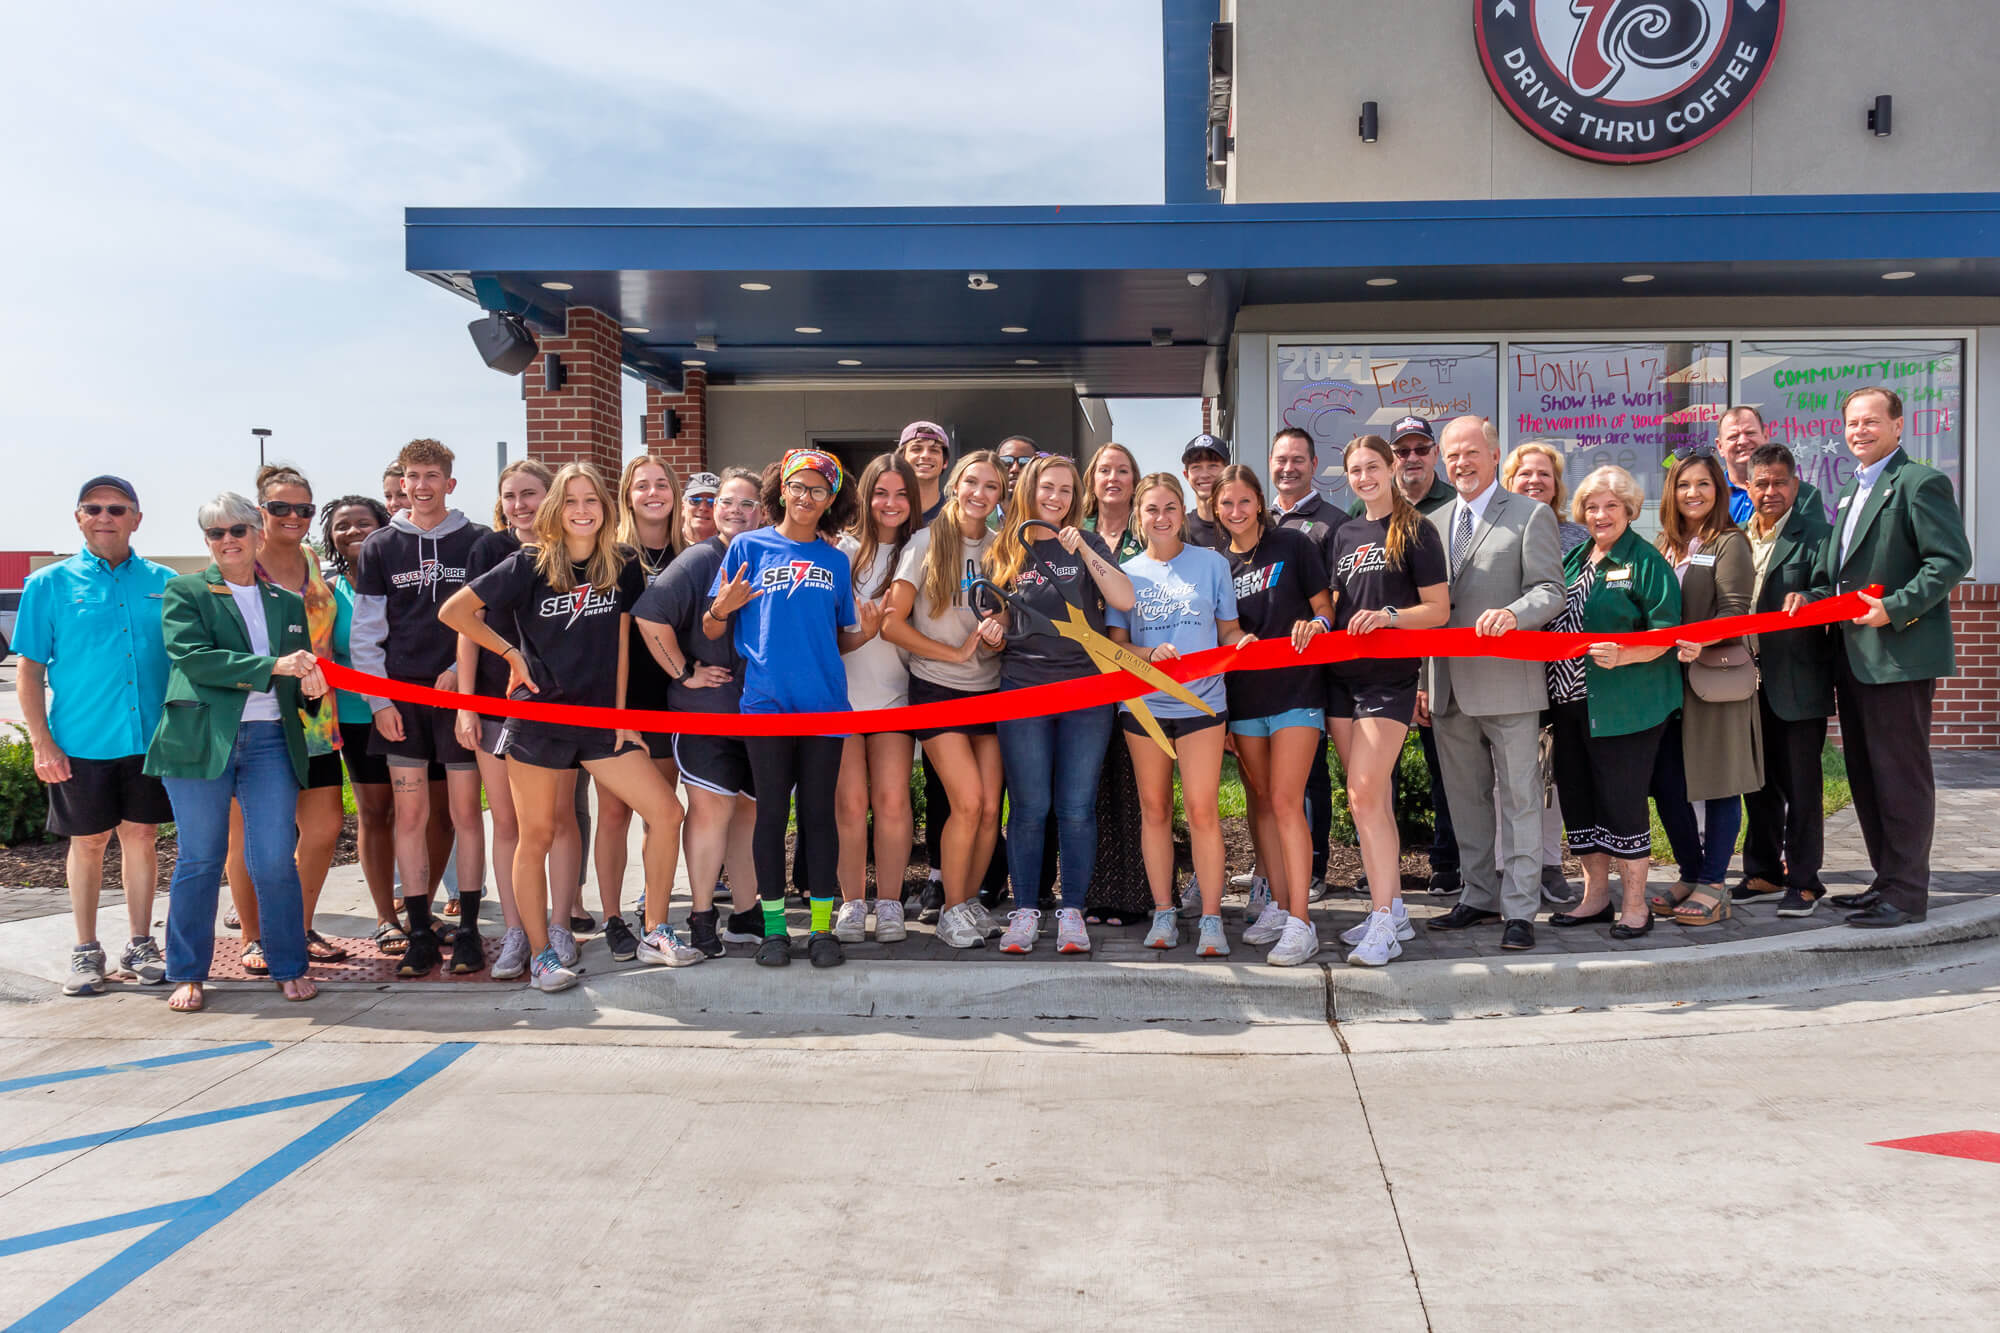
{"type": "Point", "coordinates": [1610, 705]}
{"type": "Point", "coordinates": [242, 663]}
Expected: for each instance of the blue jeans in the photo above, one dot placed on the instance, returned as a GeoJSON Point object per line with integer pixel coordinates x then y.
{"type": "Point", "coordinates": [259, 775]}
{"type": "Point", "coordinates": [1704, 852]}
{"type": "Point", "coordinates": [1052, 765]}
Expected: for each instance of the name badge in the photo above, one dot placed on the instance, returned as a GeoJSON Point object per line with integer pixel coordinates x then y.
{"type": "Point", "coordinates": [1707, 558]}
{"type": "Point", "coordinates": [1618, 576]}
{"type": "Point", "coordinates": [1843, 502]}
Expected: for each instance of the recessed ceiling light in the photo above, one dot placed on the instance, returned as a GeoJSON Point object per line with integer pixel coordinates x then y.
{"type": "Point", "coordinates": [1026, 361]}
{"type": "Point", "coordinates": [559, 286]}
{"type": "Point", "coordinates": [694, 363]}
{"type": "Point", "coordinates": [1381, 282]}
{"type": "Point", "coordinates": [1013, 328]}
{"type": "Point", "coordinates": [1637, 277]}
{"type": "Point", "coordinates": [849, 361]}
{"type": "Point", "coordinates": [637, 328]}
{"type": "Point", "coordinates": [805, 328]}
{"type": "Point", "coordinates": [755, 286]}
{"type": "Point", "coordinates": [1899, 275]}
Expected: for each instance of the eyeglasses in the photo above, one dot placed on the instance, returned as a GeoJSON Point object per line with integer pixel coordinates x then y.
{"type": "Point", "coordinates": [798, 490]}
{"type": "Point", "coordinates": [1018, 460]}
{"type": "Point", "coordinates": [236, 530]}
{"type": "Point", "coordinates": [701, 501]}
{"type": "Point", "coordinates": [116, 511]}
{"type": "Point", "coordinates": [1417, 452]}
{"type": "Point", "coordinates": [745, 505]}
{"type": "Point", "coordinates": [285, 509]}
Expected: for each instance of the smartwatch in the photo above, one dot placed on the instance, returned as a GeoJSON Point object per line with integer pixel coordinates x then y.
{"type": "Point", "coordinates": [1392, 615]}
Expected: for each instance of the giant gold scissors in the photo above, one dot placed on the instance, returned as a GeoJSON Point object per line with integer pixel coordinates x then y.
{"type": "Point", "coordinates": [1073, 625]}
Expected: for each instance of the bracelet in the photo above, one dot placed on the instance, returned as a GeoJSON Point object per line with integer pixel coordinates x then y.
{"type": "Point", "coordinates": [511, 649]}
{"type": "Point", "coordinates": [710, 613]}
{"type": "Point", "coordinates": [1323, 623]}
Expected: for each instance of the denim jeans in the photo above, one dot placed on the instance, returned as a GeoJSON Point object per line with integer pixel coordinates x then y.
{"type": "Point", "coordinates": [259, 775]}
{"type": "Point", "coordinates": [1703, 851]}
{"type": "Point", "coordinates": [1052, 765]}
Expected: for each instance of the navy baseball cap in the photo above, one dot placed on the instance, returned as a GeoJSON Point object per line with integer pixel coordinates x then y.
{"type": "Point", "coordinates": [1204, 444]}
{"type": "Point", "coordinates": [1412, 426]}
{"type": "Point", "coordinates": [116, 483]}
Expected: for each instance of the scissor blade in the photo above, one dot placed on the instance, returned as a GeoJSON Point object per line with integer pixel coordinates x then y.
{"type": "Point", "coordinates": [1103, 650]}
{"type": "Point", "coordinates": [1143, 713]}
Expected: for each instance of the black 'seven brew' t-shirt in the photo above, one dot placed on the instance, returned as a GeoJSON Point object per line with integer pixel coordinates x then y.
{"type": "Point", "coordinates": [678, 598]}
{"type": "Point", "coordinates": [1037, 659]}
{"type": "Point", "coordinates": [1364, 580]}
{"type": "Point", "coordinates": [489, 677]}
{"type": "Point", "coordinates": [570, 639]}
{"type": "Point", "coordinates": [1275, 582]}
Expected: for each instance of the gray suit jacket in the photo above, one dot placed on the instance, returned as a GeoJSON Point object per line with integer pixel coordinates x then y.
{"type": "Point", "coordinates": [1516, 563]}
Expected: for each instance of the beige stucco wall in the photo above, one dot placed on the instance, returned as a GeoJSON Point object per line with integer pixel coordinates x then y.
{"type": "Point", "coordinates": [1304, 67]}
{"type": "Point", "coordinates": [748, 427]}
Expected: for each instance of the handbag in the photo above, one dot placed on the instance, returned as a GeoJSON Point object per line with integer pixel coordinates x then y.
{"type": "Point", "coordinates": [1723, 674]}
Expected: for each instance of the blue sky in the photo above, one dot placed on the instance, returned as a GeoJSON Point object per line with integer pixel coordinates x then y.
{"type": "Point", "coordinates": [207, 200]}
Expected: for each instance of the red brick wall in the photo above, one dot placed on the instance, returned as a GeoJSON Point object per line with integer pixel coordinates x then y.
{"type": "Point", "coordinates": [1967, 711]}
{"type": "Point", "coordinates": [687, 451]}
{"type": "Point", "coordinates": [584, 420]}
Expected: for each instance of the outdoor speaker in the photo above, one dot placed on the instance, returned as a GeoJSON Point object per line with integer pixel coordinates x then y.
{"type": "Point", "coordinates": [504, 341]}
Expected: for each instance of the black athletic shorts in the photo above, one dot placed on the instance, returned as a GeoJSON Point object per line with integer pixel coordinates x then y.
{"type": "Point", "coordinates": [357, 751]}
{"type": "Point", "coordinates": [924, 692]}
{"type": "Point", "coordinates": [659, 744]}
{"type": "Point", "coordinates": [720, 764]}
{"type": "Point", "coordinates": [1394, 699]}
{"type": "Point", "coordinates": [101, 794]}
{"type": "Point", "coordinates": [323, 770]}
{"type": "Point", "coordinates": [428, 738]}
{"type": "Point", "coordinates": [1175, 727]}
{"type": "Point", "coordinates": [553, 746]}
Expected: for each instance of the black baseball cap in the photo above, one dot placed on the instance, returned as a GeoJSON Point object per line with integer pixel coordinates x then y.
{"type": "Point", "coordinates": [1412, 426]}
{"type": "Point", "coordinates": [116, 483]}
{"type": "Point", "coordinates": [1204, 444]}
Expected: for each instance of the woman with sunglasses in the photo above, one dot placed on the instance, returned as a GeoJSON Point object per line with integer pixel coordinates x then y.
{"type": "Point", "coordinates": [951, 648]}
{"type": "Point", "coordinates": [1119, 891]}
{"type": "Point", "coordinates": [875, 769]}
{"type": "Point", "coordinates": [786, 596]}
{"type": "Point", "coordinates": [1051, 762]}
{"type": "Point", "coordinates": [286, 558]}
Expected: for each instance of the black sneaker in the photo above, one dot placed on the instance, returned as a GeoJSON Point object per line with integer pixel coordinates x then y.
{"type": "Point", "coordinates": [701, 934]}
{"type": "Point", "coordinates": [823, 950]}
{"type": "Point", "coordinates": [744, 927]}
{"type": "Point", "coordinates": [1800, 902]}
{"type": "Point", "coordinates": [1445, 882]}
{"type": "Point", "coordinates": [421, 958]}
{"type": "Point", "coordinates": [991, 894]}
{"type": "Point", "coordinates": [775, 951]}
{"type": "Point", "coordinates": [618, 938]}
{"type": "Point", "coordinates": [583, 923]}
{"type": "Point", "coordinates": [931, 904]}
{"type": "Point", "coordinates": [468, 953]}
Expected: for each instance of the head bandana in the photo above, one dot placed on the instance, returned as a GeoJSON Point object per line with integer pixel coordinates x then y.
{"type": "Point", "coordinates": [812, 460]}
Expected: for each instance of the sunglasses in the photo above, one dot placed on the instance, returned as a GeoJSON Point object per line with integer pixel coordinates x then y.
{"type": "Point", "coordinates": [116, 511]}
{"type": "Point", "coordinates": [1687, 451]}
{"type": "Point", "coordinates": [1417, 452]}
{"type": "Point", "coordinates": [701, 501]}
{"type": "Point", "coordinates": [236, 530]}
{"type": "Point", "coordinates": [285, 509]}
{"type": "Point", "coordinates": [1021, 460]}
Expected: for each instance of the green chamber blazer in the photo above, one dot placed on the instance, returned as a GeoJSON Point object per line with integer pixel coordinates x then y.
{"type": "Point", "coordinates": [215, 673]}
{"type": "Point", "coordinates": [1635, 590]}
{"type": "Point", "coordinates": [1910, 539]}
{"type": "Point", "coordinates": [1795, 666]}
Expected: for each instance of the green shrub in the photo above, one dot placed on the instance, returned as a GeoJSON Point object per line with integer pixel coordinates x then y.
{"type": "Point", "coordinates": [1413, 797]}
{"type": "Point", "coordinates": [24, 802]}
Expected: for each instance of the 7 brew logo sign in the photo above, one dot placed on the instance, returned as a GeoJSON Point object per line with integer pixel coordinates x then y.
{"type": "Point", "coordinates": [1626, 80]}
{"type": "Point", "coordinates": [795, 574]}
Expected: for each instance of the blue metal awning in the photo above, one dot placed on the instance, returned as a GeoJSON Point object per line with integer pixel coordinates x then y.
{"type": "Point", "coordinates": [1103, 294]}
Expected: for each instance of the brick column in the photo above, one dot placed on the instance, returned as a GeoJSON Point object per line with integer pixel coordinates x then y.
{"type": "Point", "coordinates": [1966, 713]}
{"type": "Point", "coordinates": [687, 451]}
{"type": "Point", "coordinates": [583, 421]}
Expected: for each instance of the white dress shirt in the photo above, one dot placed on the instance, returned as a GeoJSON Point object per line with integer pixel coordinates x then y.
{"type": "Point", "coordinates": [1864, 486]}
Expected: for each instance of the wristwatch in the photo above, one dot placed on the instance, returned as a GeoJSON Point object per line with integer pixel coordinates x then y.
{"type": "Point", "coordinates": [687, 670]}
{"type": "Point", "coordinates": [1392, 615]}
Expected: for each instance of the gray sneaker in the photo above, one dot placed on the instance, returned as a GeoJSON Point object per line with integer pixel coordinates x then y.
{"type": "Point", "coordinates": [1166, 931]}
{"type": "Point", "coordinates": [662, 948]}
{"type": "Point", "coordinates": [1318, 890]}
{"type": "Point", "coordinates": [564, 944]}
{"type": "Point", "coordinates": [513, 959]}
{"type": "Point", "coordinates": [989, 925]}
{"type": "Point", "coordinates": [1268, 926]}
{"type": "Point", "coordinates": [142, 959]}
{"type": "Point", "coordinates": [1024, 924]}
{"type": "Point", "coordinates": [1072, 936]}
{"type": "Point", "coordinates": [549, 973]}
{"type": "Point", "coordinates": [86, 970]}
{"type": "Point", "coordinates": [1191, 899]}
{"type": "Point", "coordinates": [889, 925]}
{"type": "Point", "coordinates": [850, 923]}
{"type": "Point", "coordinates": [1212, 942]}
{"type": "Point", "coordinates": [1260, 900]}
{"type": "Point", "coordinates": [959, 928]}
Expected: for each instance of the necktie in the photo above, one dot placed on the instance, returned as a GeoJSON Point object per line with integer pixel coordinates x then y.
{"type": "Point", "coordinates": [1461, 539]}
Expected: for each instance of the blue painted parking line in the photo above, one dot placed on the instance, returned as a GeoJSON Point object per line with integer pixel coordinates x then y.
{"type": "Point", "coordinates": [131, 1066]}
{"type": "Point", "coordinates": [178, 1224]}
{"type": "Point", "coordinates": [152, 1127]}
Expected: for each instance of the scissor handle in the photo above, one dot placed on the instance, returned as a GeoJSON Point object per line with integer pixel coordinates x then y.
{"type": "Point", "coordinates": [988, 586]}
{"type": "Point", "coordinates": [1027, 523]}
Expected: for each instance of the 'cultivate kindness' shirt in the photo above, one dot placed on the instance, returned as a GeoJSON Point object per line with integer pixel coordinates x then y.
{"type": "Point", "coordinates": [570, 639]}
{"type": "Point", "coordinates": [1178, 602]}
{"type": "Point", "coordinates": [1275, 581]}
{"type": "Point", "coordinates": [789, 639]}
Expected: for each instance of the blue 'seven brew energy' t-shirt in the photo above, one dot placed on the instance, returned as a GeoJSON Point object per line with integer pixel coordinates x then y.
{"type": "Point", "coordinates": [788, 639]}
{"type": "Point", "coordinates": [1178, 602]}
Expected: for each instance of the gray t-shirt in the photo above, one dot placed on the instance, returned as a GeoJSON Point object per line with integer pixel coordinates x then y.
{"type": "Point", "coordinates": [958, 620]}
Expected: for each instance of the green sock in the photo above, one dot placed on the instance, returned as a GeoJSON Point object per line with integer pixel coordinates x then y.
{"type": "Point", "coordinates": [822, 915]}
{"type": "Point", "coordinates": [774, 916]}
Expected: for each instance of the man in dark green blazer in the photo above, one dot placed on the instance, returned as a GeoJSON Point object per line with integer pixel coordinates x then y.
{"type": "Point", "coordinates": [1896, 524]}
{"type": "Point", "coordinates": [1784, 834]}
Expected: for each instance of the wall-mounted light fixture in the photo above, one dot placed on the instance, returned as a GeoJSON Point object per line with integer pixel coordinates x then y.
{"type": "Point", "coordinates": [670, 424]}
{"type": "Point", "coordinates": [1163, 337]}
{"type": "Point", "coordinates": [1371, 122]}
{"type": "Point", "coordinates": [552, 373]}
{"type": "Point", "coordinates": [1878, 116]}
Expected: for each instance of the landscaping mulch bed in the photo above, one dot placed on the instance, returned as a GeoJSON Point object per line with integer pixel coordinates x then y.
{"type": "Point", "coordinates": [40, 864]}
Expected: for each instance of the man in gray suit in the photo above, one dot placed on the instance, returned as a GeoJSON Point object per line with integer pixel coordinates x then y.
{"type": "Point", "coordinates": [1506, 574]}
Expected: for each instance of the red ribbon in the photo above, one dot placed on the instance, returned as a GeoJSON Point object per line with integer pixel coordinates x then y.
{"type": "Point", "coordinates": [1092, 691]}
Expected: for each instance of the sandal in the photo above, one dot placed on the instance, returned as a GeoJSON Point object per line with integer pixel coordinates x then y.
{"type": "Point", "coordinates": [1707, 905]}
{"type": "Point", "coordinates": [390, 939]}
{"type": "Point", "coordinates": [319, 950]}
{"type": "Point", "coordinates": [253, 959]}
{"type": "Point", "coordinates": [290, 989]}
{"type": "Point", "coordinates": [230, 921]}
{"type": "Point", "coordinates": [1665, 902]}
{"type": "Point", "coordinates": [451, 907]}
{"type": "Point", "coordinates": [187, 998]}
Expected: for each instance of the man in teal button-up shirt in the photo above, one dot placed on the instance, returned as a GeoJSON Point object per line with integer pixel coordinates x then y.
{"type": "Point", "coordinates": [89, 628]}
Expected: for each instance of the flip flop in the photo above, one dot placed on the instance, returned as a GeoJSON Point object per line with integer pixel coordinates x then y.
{"type": "Point", "coordinates": [230, 921]}
{"type": "Point", "coordinates": [199, 997]}
{"type": "Point", "coordinates": [253, 959]}
{"type": "Point", "coordinates": [320, 951]}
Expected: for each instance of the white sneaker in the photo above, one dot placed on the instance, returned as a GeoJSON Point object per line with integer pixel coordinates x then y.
{"type": "Point", "coordinates": [1212, 942]}
{"type": "Point", "coordinates": [889, 925]}
{"type": "Point", "coordinates": [1268, 926]}
{"type": "Point", "coordinates": [1244, 880]}
{"type": "Point", "coordinates": [989, 925]}
{"type": "Point", "coordinates": [1166, 931]}
{"type": "Point", "coordinates": [1260, 900]}
{"type": "Point", "coordinates": [1379, 944]}
{"type": "Point", "coordinates": [547, 973]}
{"type": "Point", "coordinates": [1023, 925]}
{"type": "Point", "coordinates": [1071, 934]}
{"type": "Point", "coordinates": [1191, 899]}
{"type": "Point", "coordinates": [1297, 944]}
{"type": "Point", "coordinates": [661, 947]}
{"type": "Point", "coordinates": [564, 944]}
{"type": "Point", "coordinates": [513, 959]}
{"type": "Point", "coordinates": [1397, 913]}
{"type": "Point", "coordinates": [959, 928]}
{"type": "Point", "coordinates": [850, 923]}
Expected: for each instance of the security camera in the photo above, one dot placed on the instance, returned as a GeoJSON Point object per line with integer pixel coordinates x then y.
{"type": "Point", "coordinates": [1197, 279]}
{"type": "Point", "coordinates": [979, 282]}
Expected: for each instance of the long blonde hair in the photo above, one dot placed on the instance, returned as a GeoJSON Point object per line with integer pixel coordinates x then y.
{"type": "Point", "coordinates": [1009, 554]}
{"type": "Point", "coordinates": [1090, 479]}
{"type": "Point", "coordinates": [535, 468]}
{"type": "Point", "coordinates": [628, 527]}
{"type": "Point", "coordinates": [552, 562]}
{"type": "Point", "coordinates": [1403, 516]}
{"type": "Point", "coordinates": [943, 577]}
